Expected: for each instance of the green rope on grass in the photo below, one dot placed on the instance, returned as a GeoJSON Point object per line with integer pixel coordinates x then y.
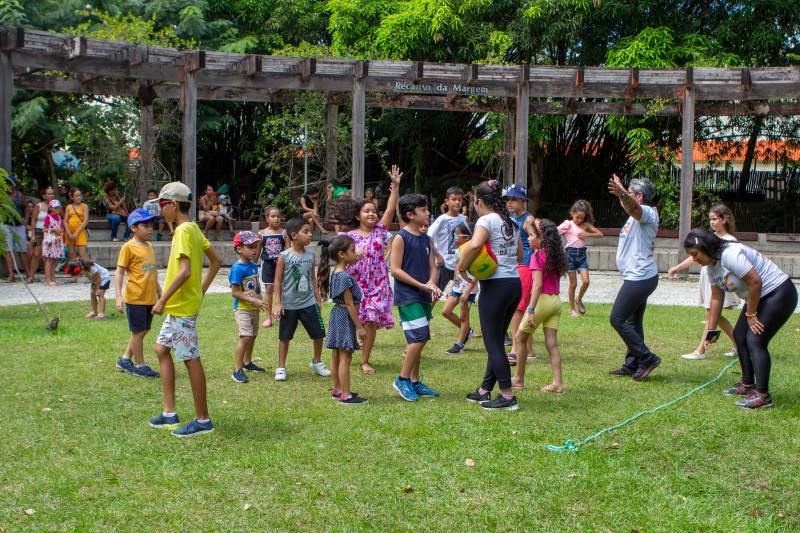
{"type": "Point", "coordinates": [575, 446]}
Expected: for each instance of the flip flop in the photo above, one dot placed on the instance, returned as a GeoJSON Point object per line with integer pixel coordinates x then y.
{"type": "Point", "coordinates": [581, 308]}
{"type": "Point", "coordinates": [512, 358]}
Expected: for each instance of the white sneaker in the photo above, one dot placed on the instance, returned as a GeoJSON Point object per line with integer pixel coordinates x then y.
{"type": "Point", "coordinates": [280, 374]}
{"type": "Point", "coordinates": [732, 353]}
{"type": "Point", "coordinates": [320, 368]}
{"type": "Point", "coordinates": [694, 356]}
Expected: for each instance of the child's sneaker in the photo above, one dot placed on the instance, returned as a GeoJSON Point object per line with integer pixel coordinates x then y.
{"type": "Point", "coordinates": [423, 390]}
{"type": "Point", "coordinates": [252, 367]}
{"type": "Point", "coordinates": [319, 368]}
{"type": "Point", "coordinates": [477, 397]}
{"type": "Point", "coordinates": [755, 401]}
{"type": "Point", "coordinates": [194, 427]}
{"type": "Point", "coordinates": [740, 389]}
{"type": "Point", "coordinates": [406, 389]}
{"type": "Point", "coordinates": [353, 399]}
{"type": "Point", "coordinates": [164, 422]}
{"type": "Point", "coordinates": [145, 371]}
{"type": "Point", "coordinates": [280, 374]}
{"type": "Point", "coordinates": [124, 364]}
{"type": "Point", "coordinates": [456, 349]}
{"type": "Point", "coordinates": [239, 376]}
{"type": "Point", "coordinates": [501, 403]}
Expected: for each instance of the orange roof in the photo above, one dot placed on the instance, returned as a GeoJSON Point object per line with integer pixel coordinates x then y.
{"type": "Point", "coordinates": [766, 150]}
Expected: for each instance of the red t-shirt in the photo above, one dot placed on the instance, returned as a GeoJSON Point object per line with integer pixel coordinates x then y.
{"type": "Point", "coordinates": [550, 283]}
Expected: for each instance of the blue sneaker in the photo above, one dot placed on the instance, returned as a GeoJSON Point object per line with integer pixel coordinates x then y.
{"type": "Point", "coordinates": [406, 389]}
{"type": "Point", "coordinates": [145, 371]}
{"type": "Point", "coordinates": [423, 390]}
{"type": "Point", "coordinates": [124, 364]}
{"type": "Point", "coordinates": [239, 376]}
{"type": "Point", "coordinates": [252, 367]}
{"type": "Point", "coordinates": [193, 428]}
{"type": "Point", "coordinates": [164, 422]}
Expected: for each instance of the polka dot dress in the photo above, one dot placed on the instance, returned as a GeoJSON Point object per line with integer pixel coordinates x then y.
{"type": "Point", "coordinates": [341, 330]}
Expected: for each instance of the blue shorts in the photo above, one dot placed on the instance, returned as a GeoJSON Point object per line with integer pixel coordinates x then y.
{"type": "Point", "coordinates": [576, 259]}
{"type": "Point", "coordinates": [140, 317]}
{"type": "Point", "coordinates": [455, 294]}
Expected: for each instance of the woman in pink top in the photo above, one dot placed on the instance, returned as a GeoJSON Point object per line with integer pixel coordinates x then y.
{"type": "Point", "coordinates": [576, 231]}
{"type": "Point", "coordinates": [548, 264]}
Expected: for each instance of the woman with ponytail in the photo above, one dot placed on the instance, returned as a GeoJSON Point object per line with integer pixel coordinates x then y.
{"type": "Point", "coordinates": [500, 292]}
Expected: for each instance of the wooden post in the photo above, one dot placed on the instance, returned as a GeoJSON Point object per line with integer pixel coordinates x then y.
{"type": "Point", "coordinates": [147, 136]}
{"type": "Point", "coordinates": [189, 105]}
{"type": "Point", "coordinates": [508, 149]}
{"type": "Point", "coordinates": [6, 86]}
{"type": "Point", "coordinates": [359, 102]}
{"type": "Point", "coordinates": [521, 148]}
{"type": "Point", "coordinates": [687, 168]}
{"type": "Point", "coordinates": [331, 137]}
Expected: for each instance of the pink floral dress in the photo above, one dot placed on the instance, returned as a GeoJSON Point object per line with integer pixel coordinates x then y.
{"type": "Point", "coordinates": [372, 277]}
{"type": "Point", "coordinates": [52, 243]}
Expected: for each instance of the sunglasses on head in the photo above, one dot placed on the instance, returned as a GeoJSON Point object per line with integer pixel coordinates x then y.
{"type": "Point", "coordinates": [162, 203]}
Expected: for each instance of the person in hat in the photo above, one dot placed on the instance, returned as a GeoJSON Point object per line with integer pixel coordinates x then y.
{"type": "Point", "coordinates": [180, 301]}
{"type": "Point", "coordinates": [246, 292]}
{"type": "Point", "coordinates": [516, 198]}
{"type": "Point", "coordinates": [137, 259]}
{"type": "Point", "coordinates": [16, 238]}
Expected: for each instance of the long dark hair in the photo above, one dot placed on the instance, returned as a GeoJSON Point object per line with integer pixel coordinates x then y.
{"type": "Point", "coordinates": [583, 206]}
{"type": "Point", "coordinates": [490, 194]}
{"type": "Point", "coordinates": [329, 251]}
{"type": "Point", "coordinates": [550, 239]}
{"type": "Point", "coordinates": [706, 241]}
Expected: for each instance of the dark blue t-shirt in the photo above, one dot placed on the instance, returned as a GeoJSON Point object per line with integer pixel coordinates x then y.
{"type": "Point", "coordinates": [416, 263]}
{"type": "Point", "coordinates": [526, 246]}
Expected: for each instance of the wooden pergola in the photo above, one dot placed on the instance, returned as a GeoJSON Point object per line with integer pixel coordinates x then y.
{"type": "Point", "coordinates": [45, 61]}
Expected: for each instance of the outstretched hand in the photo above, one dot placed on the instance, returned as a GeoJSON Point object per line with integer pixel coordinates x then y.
{"type": "Point", "coordinates": [616, 187]}
{"type": "Point", "coordinates": [395, 174]}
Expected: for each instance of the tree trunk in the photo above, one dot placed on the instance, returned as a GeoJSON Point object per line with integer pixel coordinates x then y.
{"type": "Point", "coordinates": [747, 166]}
{"type": "Point", "coordinates": [52, 165]}
{"type": "Point", "coordinates": [535, 177]}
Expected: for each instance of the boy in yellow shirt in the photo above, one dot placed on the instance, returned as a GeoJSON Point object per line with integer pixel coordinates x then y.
{"type": "Point", "coordinates": [138, 260]}
{"type": "Point", "coordinates": [180, 301]}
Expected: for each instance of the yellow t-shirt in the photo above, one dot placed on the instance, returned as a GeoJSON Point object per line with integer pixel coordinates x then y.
{"type": "Point", "coordinates": [139, 261]}
{"type": "Point", "coordinates": [188, 241]}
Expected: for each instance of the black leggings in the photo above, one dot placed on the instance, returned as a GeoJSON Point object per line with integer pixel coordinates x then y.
{"type": "Point", "coordinates": [497, 302]}
{"type": "Point", "coordinates": [774, 310]}
{"type": "Point", "coordinates": [627, 316]}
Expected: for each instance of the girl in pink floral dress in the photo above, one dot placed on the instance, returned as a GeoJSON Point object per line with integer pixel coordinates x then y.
{"type": "Point", "coordinates": [370, 272]}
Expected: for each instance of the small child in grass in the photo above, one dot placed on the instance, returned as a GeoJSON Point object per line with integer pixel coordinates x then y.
{"type": "Point", "coordinates": [576, 230]}
{"type": "Point", "coordinates": [100, 279]}
{"type": "Point", "coordinates": [180, 301]}
{"type": "Point", "coordinates": [273, 242]}
{"type": "Point", "coordinates": [462, 294]}
{"type": "Point", "coordinates": [298, 299]}
{"type": "Point", "coordinates": [414, 270]}
{"type": "Point", "coordinates": [138, 260]}
{"type": "Point", "coordinates": [246, 292]}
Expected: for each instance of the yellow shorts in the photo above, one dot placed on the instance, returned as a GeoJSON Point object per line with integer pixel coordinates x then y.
{"type": "Point", "coordinates": [548, 313]}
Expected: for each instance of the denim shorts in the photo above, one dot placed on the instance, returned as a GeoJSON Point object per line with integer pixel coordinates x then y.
{"type": "Point", "coordinates": [577, 259]}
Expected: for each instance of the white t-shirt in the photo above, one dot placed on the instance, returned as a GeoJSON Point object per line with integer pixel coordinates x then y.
{"type": "Point", "coordinates": [441, 231]}
{"type": "Point", "coordinates": [460, 285]}
{"type": "Point", "coordinates": [105, 275]}
{"type": "Point", "coordinates": [734, 264]}
{"type": "Point", "coordinates": [503, 244]}
{"type": "Point", "coordinates": [636, 243]}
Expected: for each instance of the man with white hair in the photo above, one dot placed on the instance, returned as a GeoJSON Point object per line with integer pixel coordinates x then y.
{"type": "Point", "coordinates": [637, 266]}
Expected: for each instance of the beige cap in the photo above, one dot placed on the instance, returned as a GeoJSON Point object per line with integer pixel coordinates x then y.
{"type": "Point", "coordinates": [175, 191]}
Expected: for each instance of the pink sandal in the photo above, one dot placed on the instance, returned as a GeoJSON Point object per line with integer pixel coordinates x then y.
{"type": "Point", "coordinates": [90, 314]}
{"type": "Point", "coordinates": [101, 316]}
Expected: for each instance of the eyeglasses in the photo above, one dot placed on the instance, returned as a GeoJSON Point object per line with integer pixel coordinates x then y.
{"type": "Point", "coordinates": [163, 203]}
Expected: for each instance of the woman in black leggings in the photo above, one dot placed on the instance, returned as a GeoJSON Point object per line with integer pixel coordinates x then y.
{"type": "Point", "coordinates": [771, 299]}
{"type": "Point", "coordinates": [500, 292]}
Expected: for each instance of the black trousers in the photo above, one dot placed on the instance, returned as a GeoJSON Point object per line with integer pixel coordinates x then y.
{"type": "Point", "coordinates": [496, 305]}
{"type": "Point", "coordinates": [626, 317]}
{"type": "Point", "coordinates": [774, 310]}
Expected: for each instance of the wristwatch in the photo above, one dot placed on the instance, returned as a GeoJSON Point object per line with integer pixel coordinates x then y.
{"type": "Point", "coordinates": [531, 310]}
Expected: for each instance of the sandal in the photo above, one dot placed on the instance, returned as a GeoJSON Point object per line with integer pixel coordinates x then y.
{"type": "Point", "coordinates": [581, 308]}
{"type": "Point", "coordinates": [100, 316]}
{"type": "Point", "coordinates": [512, 359]}
{"type": "Point", "coordinates": [369, 370]}
{"type": "Point", "coordinates": [90, 314]}
{"type": "Point", "coordinates": [574, 314]}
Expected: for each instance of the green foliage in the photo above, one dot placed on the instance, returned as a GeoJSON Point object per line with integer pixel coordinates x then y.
{"type": "Point", "coordinates": [129, 27]}
{"type": "Point", "coordinates": [7, 210]}
{"type": "Point", "coordinates": [12, 13]}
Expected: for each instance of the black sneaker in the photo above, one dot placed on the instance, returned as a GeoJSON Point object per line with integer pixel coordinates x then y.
{"type": "Point", "coordinates": [621, 372]}
{"type": "Point", "coordinates": [501, 403]}
{"type": "Point", "coordinates": [477, 397]}
{"type": "Point", "coordinates": [252, 367]}
{"type": "Point", "coordinates": [239, 376]}
{"type": "Point", "coordinates": [354, 399]}
{"type": "Point", "coordinates": [456, 349]}
{"type": "Point", "coordinates": [643, 372]}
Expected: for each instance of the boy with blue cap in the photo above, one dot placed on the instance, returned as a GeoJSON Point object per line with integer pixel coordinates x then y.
{"type": "Point", "coordinates": [138, 260]}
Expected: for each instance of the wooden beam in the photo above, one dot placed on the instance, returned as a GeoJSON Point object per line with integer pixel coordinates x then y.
{"type": "Point", "coordinates": [508, 148]}
{"type": "Point", "coordinates": [471, 73]}
{"type": "Point", "coordinates": [359, 130]}
{"type": "Point", "coordinates": [687, 168]}
{"type": "Point", "coordinates": [331, 137]}
{"type": "Point", "coordinates": [77, 48]}
{"type": "Point", "coordinates": [12, 39]}
{"type": "Point", "coordinates": [521, 133]}
{"type": "Point", "coordinates": [579, 77]}
{"type": "Point", "coordinates": [189, 152]}
{"type": "Point", "coordinates": [307, 68]}
{"type": "Point", "coordinates": [416, 71]}
{"type": "Point", "coordinates": [6, 87]}
{"type": "Point", "coordinates": [250, 65]}
{"type": "Point", "coordinates": [194, 61]}
{"type": "Point", "coordinates": [747, 82]}
{"type": "Point", "coordinates": [146, 148]}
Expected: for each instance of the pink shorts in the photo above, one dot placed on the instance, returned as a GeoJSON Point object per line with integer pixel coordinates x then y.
{"type": "Point", "coordinates": [526, 278]}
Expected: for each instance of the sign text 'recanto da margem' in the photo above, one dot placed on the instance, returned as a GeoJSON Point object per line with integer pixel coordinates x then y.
{"type": "Point", "coordinates": [439, 88]}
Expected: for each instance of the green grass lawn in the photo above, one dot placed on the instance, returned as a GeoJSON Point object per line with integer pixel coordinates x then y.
{"type": "Point", "coordinates": [76, 447]}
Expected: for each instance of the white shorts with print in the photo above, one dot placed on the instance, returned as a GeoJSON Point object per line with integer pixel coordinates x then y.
{"type": "Point", "coordinates": [180, 334]}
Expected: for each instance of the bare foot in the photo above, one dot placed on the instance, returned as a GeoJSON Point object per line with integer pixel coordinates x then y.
{"type": "Point", "coordinates": [367, 368]}
{"type": "Point", "coordinates": [553, 388]}
{"type": "Point", "coordinates": [517, 384]}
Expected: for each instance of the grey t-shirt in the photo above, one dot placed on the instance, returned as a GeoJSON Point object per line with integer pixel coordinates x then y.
{"type": "Point", "coordinates": [503, 244]}
{"type": "Point", "coordinates": [636, 243]}
{"type": "Point", "coordinates": [734, 264]}
{"type": "Point", "coordinates": [297, 285]}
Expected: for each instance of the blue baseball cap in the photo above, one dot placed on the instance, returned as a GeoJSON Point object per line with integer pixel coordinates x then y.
{"type": "Point", "coordinates": [516, 191]}
{"type": "Point", "coordinates": [138, 216]}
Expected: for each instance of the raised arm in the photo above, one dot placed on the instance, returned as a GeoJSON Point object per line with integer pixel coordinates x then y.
{"type": "Point", "coordinates": [394, 195]}
{"type": "Point", "coordinates": [630, 206]}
